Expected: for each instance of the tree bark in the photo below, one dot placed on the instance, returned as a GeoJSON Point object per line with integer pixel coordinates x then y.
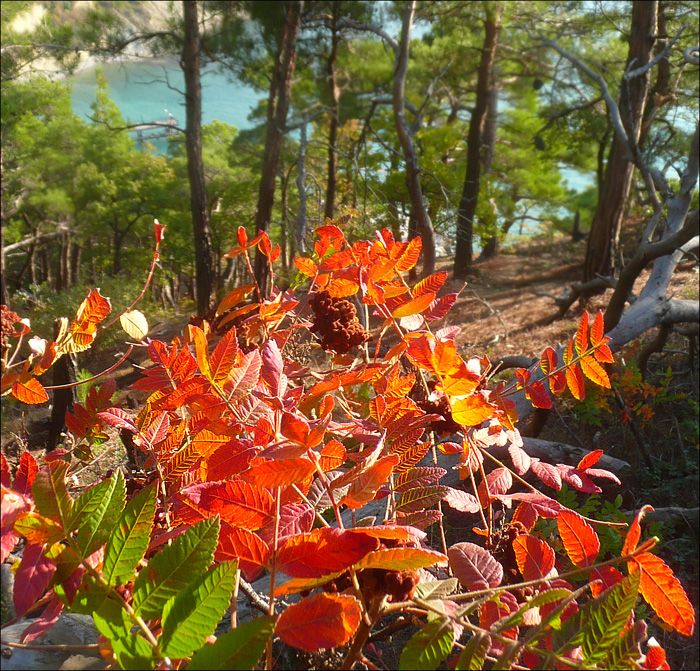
{"type": "Point", "coordinates": [334, 112]}
{"type": "Point", "coordinates": [300, 231]}
{"type": "Point", "coordinates": [612, 198]}
{"type": "Point", "coordinates": [420, 212]}
{"type": "Point", "coordinates": [277, 108]}
{"type": "Point", "coordinates": [464, 248]}
{"type": "Point", "coordinates": [190, 63]}
{"type": "Point", "coordinates": [488, 149]}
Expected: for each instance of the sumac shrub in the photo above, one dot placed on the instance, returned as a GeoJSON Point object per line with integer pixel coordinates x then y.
{"type": "Point", "coordinates": [246, 451]}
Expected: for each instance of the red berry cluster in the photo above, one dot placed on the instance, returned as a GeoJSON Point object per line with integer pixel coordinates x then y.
{"type": "Point", "coordinates": [398, 585]}
{"type": "Point", "coordinates": [439, 406]}
{"type": "Point", "coordinates": [335, 320]}
{"type": "Point", "coordinates": [9, 319]}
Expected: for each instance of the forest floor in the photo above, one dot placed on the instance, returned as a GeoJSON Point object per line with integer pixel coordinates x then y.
{"type": "Point", "coordinates": [505, 310]}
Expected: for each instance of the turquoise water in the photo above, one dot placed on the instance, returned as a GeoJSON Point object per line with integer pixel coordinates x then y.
{"type": "Point", "coordinates": [145, 90]}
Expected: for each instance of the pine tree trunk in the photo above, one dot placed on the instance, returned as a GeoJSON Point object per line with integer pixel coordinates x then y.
{"type": "Point", "coordinates": [334, 112]}
{"type": "Point", "coordinates": [419, 211]}
{"type": "Point", "coordinates": [277, 108]}
{"type": "Point", "coordinates": [190, 62]}
{"type": "Point", "coordinates": [604, 236]}
{"type": "Point", "coordinates": [464, 247]}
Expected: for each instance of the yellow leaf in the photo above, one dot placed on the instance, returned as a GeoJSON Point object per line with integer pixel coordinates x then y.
{"type": "Point", "coordinates": [135, 324]}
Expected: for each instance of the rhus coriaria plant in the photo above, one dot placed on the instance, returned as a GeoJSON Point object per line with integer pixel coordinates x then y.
{"type": "Point", "coordinates": [256, 465]}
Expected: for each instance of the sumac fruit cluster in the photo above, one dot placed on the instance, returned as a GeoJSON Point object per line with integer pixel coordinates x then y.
{"type": "Point", "coordinates": [335, 321]}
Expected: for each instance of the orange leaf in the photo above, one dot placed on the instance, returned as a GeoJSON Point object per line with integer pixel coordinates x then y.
{"type": "Point", "coordinates": [574, 378]}
{"type": "Point", "coordinates": [534, 557]}
{"type": "Point", "coordinates": [305, 266]}
{"type": "Point", "coordinates": [472, 411]}
{"type": "Point", "coordinates": [400, 559]}
{"type": "Point", "coordinates": [242, 236]}
{"type": "Point", "coordinates": [29, 390]}
{"type": "Point", "coordinates": [594, 371]}
{"type": "Point", "coordinates": [597, 329]}
{"type": "Point", "coordinates": [414, 306]}
{"type": "Point", "coordinates": [430, 284]}
{"type": "Point", "coordinates": [234, 298]}
{"type": "Point", "coordinates": [340, 288]}
{"type": "Point", "coordinates": [580, 539]}
{"type": "Point", "coordinates": [663, 592]}
{"type": "Point", "coordinates": [223, 358]}
{"type": "Point", "coordinates": [635, 531]}
{"type": "Point", "coordinates": [200, 346]}
{"type": "Point", "coordinates": [278, 472]}
{"type": "Point", "coordinates": [581, 340]}
{"type": "Point", "coordinates": [410, 256]}
{"type": "Point", "coordinates": [332, 455]}
{"type": "Point", "coordinates": [337, 261]}
{"type": "Point", "coordinates": [322, 621]}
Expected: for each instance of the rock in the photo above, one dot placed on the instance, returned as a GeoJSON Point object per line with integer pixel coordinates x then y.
{"type": "Point", "coordinates": [71, 629]}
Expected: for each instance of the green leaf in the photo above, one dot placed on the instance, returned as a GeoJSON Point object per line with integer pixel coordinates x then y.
{"type": "Point", "coordinates": [134, 652]}
{"type": "Point", "coordinates": [131, 650]}
{"type": "Point", "coordinates": [627, 649]}
{"type": "Point", "coordinates": [50, 494]}
{"type": "Point", "coordinates": [101, 513]}
{"type": "Point", "coordinates": [193, 614]}
{"type": "Point", "coordinates": [437, 589]}
{"type": "Point", "coordinates": [90, 596]}
{"type": "Point", "coordinates": [127, 545]}
{"type": "Point", "coordinates": [173, 569]}
{"type": "Point", "coordinates": [514, 619]}
{"type": "Point", "coordinates": [474, 652]}
{"type": "Point", "coordinates": [597, 626]}
{"type": "Point", "coordinates": [112, 620]}
{"type": "Point", "coordinates": [428, 647]}
{"type": "Point", "coordinates": [237, 649]}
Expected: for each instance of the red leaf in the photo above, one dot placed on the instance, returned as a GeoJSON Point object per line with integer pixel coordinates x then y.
{"type": "Point", "coordinates": [251, 551]}
{"type": "Point", "coordinates": [159, 231]}
{"type": "Point", "coordinates": [441, 307]}
{"type": "Point", "coordinates": [580, 539]}
{"type": "Point", "coordinates": [233, 298]}
{"type": "Point", "coordinates": [242, 236]}
{"type": "Point", "coordinates": [462, 501]}
{"type": "Point", "coordinates": [295, 428]}
{"type": "Point", "coordinates": [322, 551]}
{"type": "Point", "coordinates": [244, 376]}
{"type": "Point", "coordinates": [538, 395]}
{"type": "Point", "coordinates": [521, 459]}
{"type": "Point", "coordinates": [33, 574]}
{"type": "Point", "coordinates": [590, 459]}
{"type": "Point", "coordinates": [26, 471]}
{"type": "Point", "coordinates": [295, 518]}
{"type": "Point", "coordinates": [364, 486]}
{"type": "Point", "coordinates": [237, 502]}
{"type": "Point", "coordinates": [475, 567]}
{"type": "Point", "coordinates": [400, 559]}
{"type": "Point", "coordinates": [322, 621]}
{"type": "Point", "coordinates": [549, 361]}
{"type": "Point", "coordinates": [604, 354]}
{"type": "Point", "coordinates": [118, 418]}
{"type": "Point", "coordinates": [44, 622]}
{"type": "Point", "coordinates": [332, 455]}
{"type": "Point", "coordinates": [609, 576]}
{"type": "Point", "coordinates": [499, 482]}
{"type": "Point", "coordinates": [534, 557]}
{"type": "Point", "coordinates": [655, 657]}
{"type": "Point", "coordinates": [663, 592]}
{"type": "Point", "coordinates": [6, 475]}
